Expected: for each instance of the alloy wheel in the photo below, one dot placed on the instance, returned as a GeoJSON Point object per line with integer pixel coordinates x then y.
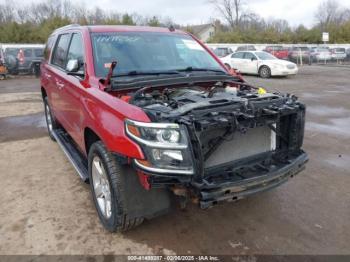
{"type": "Point", "coordinates": [101, 186]}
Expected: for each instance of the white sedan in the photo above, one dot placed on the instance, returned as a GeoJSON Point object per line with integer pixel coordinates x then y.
{"type": "Point", "coordinates": [259, 63]}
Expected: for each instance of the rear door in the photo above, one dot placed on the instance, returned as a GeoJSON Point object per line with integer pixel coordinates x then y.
{"type": "Point", "coordinates": [56, 74]}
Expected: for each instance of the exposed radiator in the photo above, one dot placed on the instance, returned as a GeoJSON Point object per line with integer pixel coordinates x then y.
{"type": "Point", "coordinates": [254, 141]}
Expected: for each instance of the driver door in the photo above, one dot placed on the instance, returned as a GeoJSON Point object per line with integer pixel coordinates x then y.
{"type": "Point", "coordinates": [250, 63]}
{"type": "Point", "coordinates": [236, 61]}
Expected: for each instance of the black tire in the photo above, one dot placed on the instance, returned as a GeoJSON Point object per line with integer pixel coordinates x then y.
{"type": "Point", "coordinates": [265, 72]}
{"type": "Point", "coordinates": [50, 119]}
{"type": "Point", "coordinates": [130, 202]}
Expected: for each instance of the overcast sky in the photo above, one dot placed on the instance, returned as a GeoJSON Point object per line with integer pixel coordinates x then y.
{"type": "Point", "coordinates": [200, 11]}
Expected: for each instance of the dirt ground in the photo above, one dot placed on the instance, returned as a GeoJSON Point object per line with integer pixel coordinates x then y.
{"type": "Point", "coordinates": [46, 209]}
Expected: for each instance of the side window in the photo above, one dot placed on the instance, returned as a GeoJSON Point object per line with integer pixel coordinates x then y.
{"type": "Point", "coordinates": [238, 55]}
{"type": "Point", "coordinates": [60, 53]}
{"type": "Point", "coordinates": [38, 52]}
{"type": "Point", "coordinates": [28, 52]}
{"type": "Point", "coordinates": [249, 56]}
{"type": "Point", "coordinates": [76, 50]}
{"type": "Point", "coordinates": [48, 47]}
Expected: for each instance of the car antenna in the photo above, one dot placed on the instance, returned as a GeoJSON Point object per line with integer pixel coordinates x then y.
{"type": "Point", "coordinates": [107, 81]}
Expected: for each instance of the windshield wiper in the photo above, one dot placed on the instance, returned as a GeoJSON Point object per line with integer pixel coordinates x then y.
{"type": "Point", "coordinates": [196, 69]}
{"type": "Point", "coordinates": [145, 73]}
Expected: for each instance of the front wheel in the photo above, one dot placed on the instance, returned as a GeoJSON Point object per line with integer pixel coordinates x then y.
{"type": "Point", "coordinates": [264, 72]}
{"type": "Point", "coordinates": [120, 200]}
{"type": "Point", "coordinates": [107, 185]}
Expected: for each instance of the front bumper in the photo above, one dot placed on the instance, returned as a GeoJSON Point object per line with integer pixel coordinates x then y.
{"type": "Point", "coordinates": [211, 193]}
{"type": "Point", "coordinates": [284, 72]}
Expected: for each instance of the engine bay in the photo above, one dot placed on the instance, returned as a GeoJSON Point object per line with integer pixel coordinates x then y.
{"type": "Point", "coordinates": [225, 123]}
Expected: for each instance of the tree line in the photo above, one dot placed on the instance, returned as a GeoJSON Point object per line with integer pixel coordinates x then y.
{"type": "Point", "coordinates": [243, 26]}
{"type": "Point", "coordinates": [33, 22]}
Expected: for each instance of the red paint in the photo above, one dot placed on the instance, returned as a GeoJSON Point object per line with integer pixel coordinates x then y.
{"type": "Point", "coordinates": [83, 104]}
{"type": "Point", "coordinates": [143, 178]}
{"type": "Point", "coordinates": [279, 53]}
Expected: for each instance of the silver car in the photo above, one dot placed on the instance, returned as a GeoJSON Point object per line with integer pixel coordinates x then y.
{"type": "Point", "coordinates": [338, 53]}
{"type": "Point", "coordinates": [320, 54]}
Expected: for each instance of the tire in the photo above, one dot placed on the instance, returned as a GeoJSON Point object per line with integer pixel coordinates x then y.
{"type": "Point", "coordinates": [120, 200]}
{"type": "Point", "coordinates": [265, 72]}
{"type": "Point", "coordinates": [50, 119]}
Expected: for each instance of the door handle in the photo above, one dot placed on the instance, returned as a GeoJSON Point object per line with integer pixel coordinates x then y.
{"type": "Point", "coordinates": [59, 85]}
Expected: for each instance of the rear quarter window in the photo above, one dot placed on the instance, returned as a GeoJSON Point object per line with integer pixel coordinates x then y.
{"type": "Point", "coordinates": [48, 47]}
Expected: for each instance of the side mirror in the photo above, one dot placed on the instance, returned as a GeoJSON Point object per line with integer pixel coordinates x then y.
{"type": "Point", "coordinates": [253, 58]}
{"type": "Point", "coordinates": [72, 66]}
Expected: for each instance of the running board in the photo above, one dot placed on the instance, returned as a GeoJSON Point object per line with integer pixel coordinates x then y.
{"type": "Point", "coordinates": [77, 159]}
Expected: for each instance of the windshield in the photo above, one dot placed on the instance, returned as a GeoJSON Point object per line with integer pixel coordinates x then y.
{"type": "Point", "coordinates": [265, 56]}
{"type": "Point", "coordinates": [148, 51]}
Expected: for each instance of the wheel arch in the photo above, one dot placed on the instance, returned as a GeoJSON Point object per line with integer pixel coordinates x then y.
{"type": "Point", "coordinates": [90, 137]}
{"type": "Point", "coordinates": [264, 65]}
{"type": "Point", "coordinates": [43, 92]}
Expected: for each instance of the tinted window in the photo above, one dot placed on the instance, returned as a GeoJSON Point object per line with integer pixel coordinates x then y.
{"type": "Point", "coordinates": [249, 56]}
{"type": "Point", "coordinates": [11, 51]}
{"type": "Point", "coordinates": [28, 52]}
{"type": "Point", "coordinates": [38, 52]}
{"type": "Point", "coordinates": [60, 53]}
{"type": "Point", "coordinates": [238, 55]}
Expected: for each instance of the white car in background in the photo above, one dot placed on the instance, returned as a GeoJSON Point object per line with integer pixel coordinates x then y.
{"type": "Point", "coordinates": [259, 63]}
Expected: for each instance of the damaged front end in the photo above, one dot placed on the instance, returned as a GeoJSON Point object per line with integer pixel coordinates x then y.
{"type": "Point", "coordinates": [219, 142]}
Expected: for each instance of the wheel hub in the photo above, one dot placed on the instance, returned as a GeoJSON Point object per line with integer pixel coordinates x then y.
{"type": "Point", "coordinates": [101, 187]}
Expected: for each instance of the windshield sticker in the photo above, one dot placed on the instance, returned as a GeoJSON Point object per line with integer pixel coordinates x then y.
{"type": "Point", "coordinates": [192, 44]}
{"type": "Point", "coordinates": [116, 38]}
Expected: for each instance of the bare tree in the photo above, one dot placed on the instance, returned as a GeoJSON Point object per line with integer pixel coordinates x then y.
{"type": "Point", "coordinates": [331, 12]}
{"type": "Point", "coordinates": [7, 12]}
{"type": "Point", "coordinates": [230, 10]}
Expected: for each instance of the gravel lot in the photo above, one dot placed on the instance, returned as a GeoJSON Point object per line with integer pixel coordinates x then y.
{"type": "Point", "coordinates": [46, 209]}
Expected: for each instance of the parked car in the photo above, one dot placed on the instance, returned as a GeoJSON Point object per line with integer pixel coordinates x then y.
{"type": "Point", "coordinates": [320, 54]}
{"type": "Point", "coordinates": [278, 51]}
{"type": "Point", "coordinates": [223, 51]}
{"type": "Point", "coordinates": [299, 54]}
{"type": "Point", "coordinates": [260, 63]}
{"type": "Point", "coordinates": [338, 53]}
{"type": "Point", "coordinates": [139, 122]}
{"type": "Point", "coordinates": [3, 68]}
{"type": "Point", "coordinates": [29, 58]}
{"type": "Point", "coordinates": [246, 48]}
{"type": "Point", "coordinates": [11, 61]}
{"type": "Point", "coordinates": [348, 53]}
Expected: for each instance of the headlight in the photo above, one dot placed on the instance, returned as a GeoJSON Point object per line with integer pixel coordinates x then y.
{"type": "Point", "coordinates": [278, 66]}
{"type": "Point", "coordinates": [165, 146]}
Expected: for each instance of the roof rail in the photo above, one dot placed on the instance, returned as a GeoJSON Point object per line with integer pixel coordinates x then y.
{"type": "Point", "coordinates": [66, 27]}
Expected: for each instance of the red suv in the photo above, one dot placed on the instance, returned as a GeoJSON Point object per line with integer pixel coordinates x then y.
{"type": "Point", "coordinates": [144, 112]}
{"type": "Point", "coordinates": [278, 51]}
